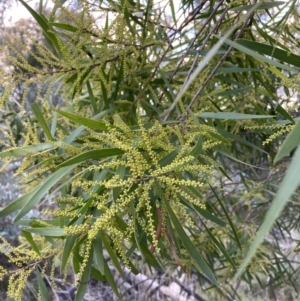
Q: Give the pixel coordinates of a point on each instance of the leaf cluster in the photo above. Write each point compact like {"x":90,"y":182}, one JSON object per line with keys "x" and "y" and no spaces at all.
{"x":157,"y":102}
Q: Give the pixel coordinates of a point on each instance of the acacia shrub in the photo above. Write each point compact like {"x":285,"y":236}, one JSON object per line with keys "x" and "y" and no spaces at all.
{"x":130,"y":157}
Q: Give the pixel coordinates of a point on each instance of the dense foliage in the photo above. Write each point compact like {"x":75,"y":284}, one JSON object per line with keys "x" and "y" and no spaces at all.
{"x":132,"y":119}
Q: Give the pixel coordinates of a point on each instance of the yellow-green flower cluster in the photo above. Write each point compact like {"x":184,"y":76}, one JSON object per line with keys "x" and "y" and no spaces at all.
{"x":277,"y":134}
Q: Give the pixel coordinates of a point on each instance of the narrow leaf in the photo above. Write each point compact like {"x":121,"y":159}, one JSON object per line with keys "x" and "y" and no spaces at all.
{"x":92,"y":155}
{"x":53,"y":232}
{"x":219,"y":246}
{"x":110,"y":279}
{"x":29,"y":238}
{"x":88,"y":122}
{"x":234,"y":116}
{"x":112,"y":254}
{"x":168,"y":159}
{"x":18,"y":203}
{"x":291,"y":142}
{"x":98,"y":254}
{"x":196,"y":151}
{"x":289,"y":184}
{"x":68,"y":246}
{"x":51,"y":37}
{"x":199,"y":68}
{"x":40,"y":118}
{"x":23,"y":151}
{"x":284,"y":113}
{"x":42,"y":286}
{"x":198,"y":260}
{"x":277,"y":53}
{"x":258,"y":56}
{"x":229,"y":219}
{"x":262,"y":5}
{"x":85,"y":278}
{"x":64,"y":26}
{"x":92,"y":97}
{"x":43,"y":189}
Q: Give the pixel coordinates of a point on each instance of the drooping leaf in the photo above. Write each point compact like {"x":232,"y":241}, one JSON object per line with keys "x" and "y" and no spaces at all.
{"x":277,"y":53}
{"x":290,"y":182}
{"x":42,"y":286}
{"x":31,"y":241}
{"x":25,"y":151}
{"x":92,"y":155}
{"x":98,"y":254}
{"x":262,"y":5}
{"x":88,"y":122}
{"x":18,"y":203}
{"x":53,"y":232}
{"x":85,"y":278}
{"x":68,"y":246}
{"x":43,"y":189}
{"x":258,"y":56}
{"x":234,"y":116}
{"x":111,"y":253}
{"x":197,"y":258}
{"x":40,"y":118}
{"x":291,"y":142}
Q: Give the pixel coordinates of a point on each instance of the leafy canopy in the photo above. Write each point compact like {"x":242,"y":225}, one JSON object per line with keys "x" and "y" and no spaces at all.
{"x":155,"y":100}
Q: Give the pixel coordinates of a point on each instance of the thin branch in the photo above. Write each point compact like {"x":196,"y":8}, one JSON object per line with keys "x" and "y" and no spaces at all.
{"x":249,"y":19}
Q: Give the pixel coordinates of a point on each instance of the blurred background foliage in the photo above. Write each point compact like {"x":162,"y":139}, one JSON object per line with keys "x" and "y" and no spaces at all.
{"x":133,"y":58}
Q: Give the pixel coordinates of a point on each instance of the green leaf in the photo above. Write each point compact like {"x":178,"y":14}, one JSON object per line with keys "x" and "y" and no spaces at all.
{"x":234,"y":116}
{"x":121,"y":173}
{"x":239,"y":139}
{"x":76,"y":133}
{"x":197,"y":150}
{"x":85,"y":278}
{"x":92,"y":155}
{"x":279,"y":54}
{"x":29,"y":238}
{"x":197,"y":258}
{"x":284,"y":113}
{"x":220,"y":246}
{"x":236,"y":70}
{"x":43,"y":189}
{"x":207,"y":215}
{"x":92,"y":97}
{"x":98,"y":254}
{"x":229,"y":220}
{"x":51,"y":37}
{"x":291,"y":142}
{"x":40,"y":118}
{"x":258,"y":56}
{"x":204,"y":213}
{"x":68,"y":246}
{"x":262,"y":5}
{"x":110,"y":279}
{"x":97,"y":275}
{"x":207,"y":58}
{"x":53,"y":232}
{"x":168,"y":159}
{"x":27,"y":150}
{"x":18,"y":203}
{"x":88,"y":122}
{"x":233,"y":91}
{"x":142,"y":248}
{"x":289,"y":184}
{"x":42,"y":286}
{"x":76,"y":260}
{"x":53,"y":124}
{"x":111,"y":253}
{"x":64,"y":26}
{"x":239,"y":161}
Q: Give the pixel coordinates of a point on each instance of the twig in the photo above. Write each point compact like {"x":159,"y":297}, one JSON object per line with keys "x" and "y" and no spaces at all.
{"x":220,"y":62}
